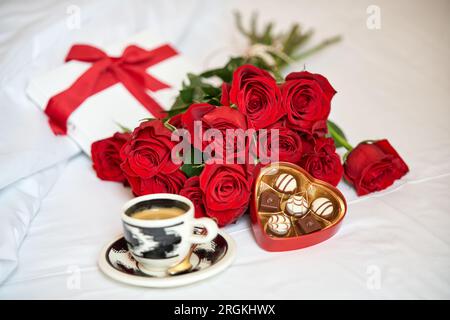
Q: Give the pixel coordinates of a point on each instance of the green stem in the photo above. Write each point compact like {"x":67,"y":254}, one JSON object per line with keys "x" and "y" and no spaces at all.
{"x":336,"y":136}
{"x":169,"y":126}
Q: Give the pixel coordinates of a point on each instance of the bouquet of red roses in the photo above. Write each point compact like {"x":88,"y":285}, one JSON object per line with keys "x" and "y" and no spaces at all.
{"x":269,"y":119}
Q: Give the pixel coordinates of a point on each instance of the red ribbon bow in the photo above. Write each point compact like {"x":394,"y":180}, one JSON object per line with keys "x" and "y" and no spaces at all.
{"x":129,"y":69}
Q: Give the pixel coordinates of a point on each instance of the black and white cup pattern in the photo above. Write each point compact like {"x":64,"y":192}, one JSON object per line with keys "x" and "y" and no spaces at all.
{"x":159,"y":244}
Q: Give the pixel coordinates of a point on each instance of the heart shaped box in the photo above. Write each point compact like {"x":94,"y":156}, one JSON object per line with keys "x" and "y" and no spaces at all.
{"x":312,"y":188}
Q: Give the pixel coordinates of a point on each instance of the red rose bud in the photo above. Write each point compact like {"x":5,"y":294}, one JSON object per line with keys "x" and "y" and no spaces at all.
{"x":256,"y":94}
{"x":192,"y":191}
{"x":148,"y":152}
{"x":226,"y":192}
{"x":322,"y":162}
{"x":106,"y":157}
{"x":374,"y":166}
{"x":306,"y":99}
{"x":160,"y":183}
{"x":289,"y":144}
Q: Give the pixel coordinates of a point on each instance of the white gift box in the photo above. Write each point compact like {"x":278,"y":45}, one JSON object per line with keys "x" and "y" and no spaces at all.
{"x":102,"y":114}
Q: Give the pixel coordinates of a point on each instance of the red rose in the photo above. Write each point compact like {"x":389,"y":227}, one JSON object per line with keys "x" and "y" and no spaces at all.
{"x":319,"y":129}
{"x":160,"y":183}
{"x":226,"y":190}
{"x":176,"y":121}
{"x":306,"y":99}
{"x":308,"y":143}
{"x":289,"y":143}
{"x":106,"y":157}
{"x":226,"y":118}
{"x":148,"y":151}
{"x":322,"y":162}
{"x":374,"y":166}
{"x":219,"y":118}
{"x":195,"y":112}
{"x":256,"y":94}
{"x":192,"y":191}
{"x":223,"y":118}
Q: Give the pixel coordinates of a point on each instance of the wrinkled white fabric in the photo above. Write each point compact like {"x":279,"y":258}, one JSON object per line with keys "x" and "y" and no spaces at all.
{"x":20,"y":202}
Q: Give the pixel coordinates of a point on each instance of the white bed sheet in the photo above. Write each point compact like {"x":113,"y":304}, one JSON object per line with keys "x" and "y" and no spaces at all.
{"x":405,"y":243}
{"x":392,"y":83}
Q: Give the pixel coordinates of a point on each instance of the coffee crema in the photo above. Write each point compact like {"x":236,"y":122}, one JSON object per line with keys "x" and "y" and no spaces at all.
{"x":158,"y":213}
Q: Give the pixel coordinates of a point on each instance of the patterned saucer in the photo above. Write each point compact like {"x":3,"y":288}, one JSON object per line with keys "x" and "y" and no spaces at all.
{"x":207,"y":260}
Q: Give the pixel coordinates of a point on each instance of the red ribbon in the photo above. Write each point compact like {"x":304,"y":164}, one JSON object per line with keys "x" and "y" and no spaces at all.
{"x":129,"y":69}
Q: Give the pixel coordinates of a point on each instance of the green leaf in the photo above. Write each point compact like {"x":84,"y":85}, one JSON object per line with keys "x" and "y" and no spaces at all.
{"x":212,"y":91}
{"x":223,"y":73}
{"x":215,"y":102}
{"x":192,"y":170}
{"x":234,"y":63}
{"x":194,"y":80}
{"x":211,"y":73}
{"x":178,"y":104}
{"x":226,"y":72}
{"x":187,"y":94}
{"x":334,"y":127}
{"x":175,"y":111}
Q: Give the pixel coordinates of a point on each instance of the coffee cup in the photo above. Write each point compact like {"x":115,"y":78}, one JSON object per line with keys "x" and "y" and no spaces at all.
{"x":159,"y":230}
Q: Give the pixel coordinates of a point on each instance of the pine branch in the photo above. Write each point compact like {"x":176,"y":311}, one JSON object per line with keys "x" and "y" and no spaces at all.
{"x":282,"y":47}
{"x":317,"y":48}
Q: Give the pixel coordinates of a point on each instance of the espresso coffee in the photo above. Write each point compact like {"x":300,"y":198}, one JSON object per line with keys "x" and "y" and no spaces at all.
{"x":159,"y":230}
{"x":158,"y":213}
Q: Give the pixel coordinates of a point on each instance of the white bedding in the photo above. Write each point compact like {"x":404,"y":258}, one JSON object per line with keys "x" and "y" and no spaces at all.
{"x":391,"y":82}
